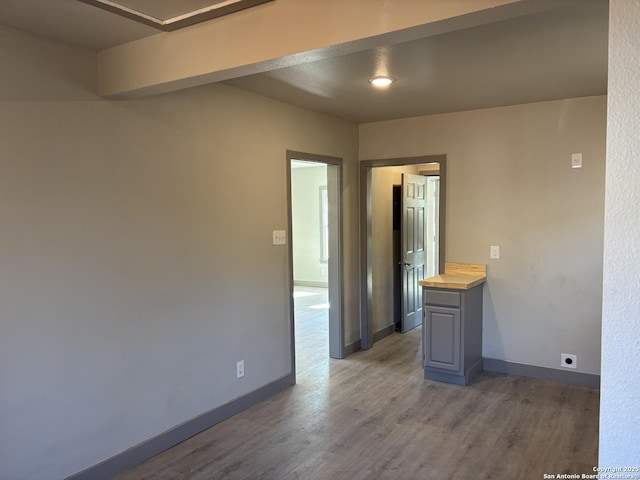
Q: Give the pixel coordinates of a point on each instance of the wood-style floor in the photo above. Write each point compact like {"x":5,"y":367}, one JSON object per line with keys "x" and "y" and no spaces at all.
{"x":373,"y":416}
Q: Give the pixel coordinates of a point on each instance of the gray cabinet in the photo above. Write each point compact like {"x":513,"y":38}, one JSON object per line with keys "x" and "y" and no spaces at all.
{"x":452,"y":334}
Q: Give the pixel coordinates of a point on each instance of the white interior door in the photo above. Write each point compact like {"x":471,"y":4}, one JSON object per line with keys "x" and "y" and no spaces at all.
{"x":414,"y":209}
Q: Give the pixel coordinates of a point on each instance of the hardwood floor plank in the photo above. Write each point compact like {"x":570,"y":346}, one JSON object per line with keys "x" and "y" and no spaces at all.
{"x":373,"y":416}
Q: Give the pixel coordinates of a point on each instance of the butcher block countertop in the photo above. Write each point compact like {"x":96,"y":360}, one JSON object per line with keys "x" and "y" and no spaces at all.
{"x":461,"y":276}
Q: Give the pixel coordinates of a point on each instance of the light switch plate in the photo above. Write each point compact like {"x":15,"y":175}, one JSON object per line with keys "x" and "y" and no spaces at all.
{"x":495,"y":251}
{"x":279,"y":237}
{"x":576,"y":160}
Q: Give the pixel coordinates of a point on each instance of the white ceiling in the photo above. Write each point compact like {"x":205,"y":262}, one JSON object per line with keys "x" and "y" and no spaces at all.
{"x":169,"y":15}
{"x":557,"y":54}
{"x":547,"y":56}
{"x":71,"y":22}
{"x":165,"y":9}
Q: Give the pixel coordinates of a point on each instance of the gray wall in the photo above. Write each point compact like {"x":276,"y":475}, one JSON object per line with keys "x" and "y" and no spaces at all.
{"x":117,"y":230}
{"x":509,"y":183}
{"x":305,"y":198}
{"x":619,"y":416}
{"x":136,"y":256}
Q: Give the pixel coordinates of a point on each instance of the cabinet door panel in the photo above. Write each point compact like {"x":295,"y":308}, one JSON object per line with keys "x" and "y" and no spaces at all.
{"x":442,"y":338}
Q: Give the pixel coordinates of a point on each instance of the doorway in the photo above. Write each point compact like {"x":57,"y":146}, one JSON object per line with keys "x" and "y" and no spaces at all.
{"x":315,"y":254}
{"x":379,"y":304}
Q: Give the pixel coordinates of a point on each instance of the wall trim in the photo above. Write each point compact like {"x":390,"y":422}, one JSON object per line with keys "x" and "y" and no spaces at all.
{"x":351,"y":348}
{"x":544,"y":373}
{"x":385,"y":332}
{"x":309,"y":283}
{"x":149,"y":448}
{"x":364,"y":214}
{"x":335,"y":273}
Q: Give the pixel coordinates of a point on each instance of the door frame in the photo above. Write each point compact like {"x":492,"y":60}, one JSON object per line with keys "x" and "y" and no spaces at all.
{"x":366,"y":287}
{"x":334,"y":264}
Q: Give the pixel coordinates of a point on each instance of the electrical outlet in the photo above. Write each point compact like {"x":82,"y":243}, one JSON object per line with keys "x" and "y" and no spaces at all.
{"x":240,"y":369}
{"x":495,"y":251}
{"x":568,"y":360}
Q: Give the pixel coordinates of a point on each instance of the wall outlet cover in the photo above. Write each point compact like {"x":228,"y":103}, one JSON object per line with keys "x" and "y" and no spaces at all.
{"x":568,"y":360}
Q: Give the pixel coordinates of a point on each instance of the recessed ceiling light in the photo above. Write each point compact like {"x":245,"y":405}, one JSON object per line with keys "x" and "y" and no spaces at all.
{"x":381,"y":81}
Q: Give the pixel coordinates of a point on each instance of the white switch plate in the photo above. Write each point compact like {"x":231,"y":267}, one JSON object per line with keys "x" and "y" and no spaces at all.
{"x":495,"y":251}
{"x":576,"y":160}
{"x":279,"y":237}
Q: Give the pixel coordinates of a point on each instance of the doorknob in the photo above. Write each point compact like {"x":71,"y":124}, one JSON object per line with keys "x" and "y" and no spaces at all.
{"x":406,"y":264}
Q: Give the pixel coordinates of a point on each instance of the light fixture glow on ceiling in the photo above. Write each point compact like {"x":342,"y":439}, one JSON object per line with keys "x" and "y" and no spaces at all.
{"x":381,"y":81}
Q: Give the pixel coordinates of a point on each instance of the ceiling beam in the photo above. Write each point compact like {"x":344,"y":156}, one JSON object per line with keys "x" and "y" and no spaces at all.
{"x":284,"y":33}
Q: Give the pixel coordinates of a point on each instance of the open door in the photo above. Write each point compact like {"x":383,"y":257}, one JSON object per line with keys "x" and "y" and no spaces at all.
{"x":366,"y":235}
{"x":328,"y":247}
{"x":412,"y":240}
